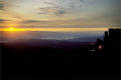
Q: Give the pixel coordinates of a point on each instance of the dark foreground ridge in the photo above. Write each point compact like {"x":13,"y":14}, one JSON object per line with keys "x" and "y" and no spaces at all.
{"x":39,"y":59}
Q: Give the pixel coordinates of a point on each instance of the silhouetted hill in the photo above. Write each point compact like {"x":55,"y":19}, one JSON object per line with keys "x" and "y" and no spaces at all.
{"x":58,"y":44}
{"x":86,"y":39}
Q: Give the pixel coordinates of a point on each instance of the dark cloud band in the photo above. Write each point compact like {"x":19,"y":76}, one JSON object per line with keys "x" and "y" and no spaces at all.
{"x":1,"y":5}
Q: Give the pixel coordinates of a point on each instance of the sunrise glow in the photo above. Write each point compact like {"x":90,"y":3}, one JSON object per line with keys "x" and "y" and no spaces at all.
{"x":11,"y":29}
{"x":58,"y":13}
{"x":54,"y":29}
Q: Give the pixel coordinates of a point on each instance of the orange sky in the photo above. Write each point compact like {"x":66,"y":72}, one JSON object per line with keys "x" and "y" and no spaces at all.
{"x":54,"y":29}
{"x":65,"y":15}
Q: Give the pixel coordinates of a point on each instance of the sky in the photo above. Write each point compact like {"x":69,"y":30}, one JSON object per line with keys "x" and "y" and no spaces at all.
{"x":59,"y":13}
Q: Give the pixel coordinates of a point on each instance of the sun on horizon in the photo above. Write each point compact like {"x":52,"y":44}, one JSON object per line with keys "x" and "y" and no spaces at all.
{"x":11,"y":29}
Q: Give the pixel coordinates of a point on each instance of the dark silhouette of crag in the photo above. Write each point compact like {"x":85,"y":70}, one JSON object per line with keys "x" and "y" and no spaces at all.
{"x":110,"y":46}
{"x":112,"y":41}
{"x":38,"y":59}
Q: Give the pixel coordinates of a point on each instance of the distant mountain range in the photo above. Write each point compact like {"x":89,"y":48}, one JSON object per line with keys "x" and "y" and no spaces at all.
{"x":73,"y":37}
{"x":86,"y":39}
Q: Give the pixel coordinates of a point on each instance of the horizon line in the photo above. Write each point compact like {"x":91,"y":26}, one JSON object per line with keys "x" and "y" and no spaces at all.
{"x":12,"y":29}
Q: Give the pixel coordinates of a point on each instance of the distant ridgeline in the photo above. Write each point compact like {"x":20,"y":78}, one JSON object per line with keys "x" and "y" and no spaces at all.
{"x":110,"y":45}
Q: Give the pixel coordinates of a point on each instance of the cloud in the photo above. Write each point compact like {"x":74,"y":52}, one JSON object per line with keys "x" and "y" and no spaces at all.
{"x":61,"y":7}
{"x":1,"y":5}
{"x":31,"y":21}
{"x":60,"y":12}
{"x":70,"y":3}
{"x":34,"y":21}
{"x":3,"y":20}
{"x":57,"y":11}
